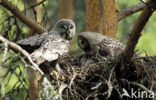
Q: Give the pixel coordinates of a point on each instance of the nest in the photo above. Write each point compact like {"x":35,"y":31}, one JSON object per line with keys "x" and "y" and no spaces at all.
{"x":98,"y":78}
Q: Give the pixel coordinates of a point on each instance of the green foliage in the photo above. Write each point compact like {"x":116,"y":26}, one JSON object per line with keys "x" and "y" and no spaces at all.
{"x":13,"y":29}
{"x":147,"y":41}
{"x":13,"y":77}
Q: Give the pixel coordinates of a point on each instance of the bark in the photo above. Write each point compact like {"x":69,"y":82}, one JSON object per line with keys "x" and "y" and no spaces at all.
{"x":29,"y":22}
{"x":111,"y":11}
{"x":34,"y":76}
{"x":34,"y":86}
{"x":131,"y":10}
{"x":102,"y":17}
{"x":66,"y":9}
{"x":93,"y":15}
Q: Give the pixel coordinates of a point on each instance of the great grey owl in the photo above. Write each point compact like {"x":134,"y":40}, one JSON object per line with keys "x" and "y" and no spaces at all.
{"x":95,"y":43}
{"x":49,"y":45}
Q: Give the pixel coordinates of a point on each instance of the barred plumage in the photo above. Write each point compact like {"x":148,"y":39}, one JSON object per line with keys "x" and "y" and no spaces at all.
{"x":49,"y":45}
{"x":94,"y":43}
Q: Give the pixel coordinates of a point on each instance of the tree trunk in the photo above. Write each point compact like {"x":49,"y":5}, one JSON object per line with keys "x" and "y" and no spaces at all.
{"x":34,"y":76}
{"x":66,"y":9}
{"x":34,"y":87}
{"x":102,"y":17}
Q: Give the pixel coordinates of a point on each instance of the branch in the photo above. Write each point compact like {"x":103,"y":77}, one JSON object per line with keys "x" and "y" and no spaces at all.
{"x":45,"y":83}
{"x":29,"y":22}
{"x":138,"y":27}
{"x":131,"y":10}
{"x":16,"y":48}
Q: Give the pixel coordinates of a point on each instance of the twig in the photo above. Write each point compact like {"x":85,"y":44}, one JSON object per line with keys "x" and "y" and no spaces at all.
{"x":29,"y":22}
{"x":27,"y":55}
{"x":110,"y":87}
{"x":141,"y":86}
{"x":138,"y":27}
{"x":131,"y":10}
{"x":138,"y":85}
{"x":21,"y":51}
{"x":143,"y":57}
{"x":72,"y":80}
{"x":5,"y":51}
{"x":61,"y":89}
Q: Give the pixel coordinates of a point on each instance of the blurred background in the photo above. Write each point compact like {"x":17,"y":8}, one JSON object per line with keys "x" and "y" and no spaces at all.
{"x":46,"y":14}
{"x":52,"y":10}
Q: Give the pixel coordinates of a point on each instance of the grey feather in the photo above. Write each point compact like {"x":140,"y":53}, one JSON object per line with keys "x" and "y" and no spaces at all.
{"x":48,"y":46}
{"x":50,"y":50}
{"x":98,"y":43}
{"x":34,"y":41}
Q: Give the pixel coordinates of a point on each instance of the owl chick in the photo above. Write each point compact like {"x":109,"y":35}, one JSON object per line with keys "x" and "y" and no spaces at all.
{"x":94,"y":43}
{"x":49,"y":45}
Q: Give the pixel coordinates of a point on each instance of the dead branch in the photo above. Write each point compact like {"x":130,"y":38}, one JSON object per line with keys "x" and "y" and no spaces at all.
{"x":16,"y":48}
{"x":34,"y":66}
{"x":29,"y":22}
{"x":131,"y":10}
{"x":138,"y":27}
{"x":100,"y":80}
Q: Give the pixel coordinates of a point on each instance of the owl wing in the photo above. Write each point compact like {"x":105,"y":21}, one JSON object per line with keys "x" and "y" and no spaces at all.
{"x":50,"y":50}
{"x":32,"y":43}
{"x":111,"y":46}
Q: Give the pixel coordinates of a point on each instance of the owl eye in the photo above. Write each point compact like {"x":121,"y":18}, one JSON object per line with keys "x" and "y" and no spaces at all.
{"x":63,"y":27}
{"x":82,"y":43}
{"x":71,"y":27}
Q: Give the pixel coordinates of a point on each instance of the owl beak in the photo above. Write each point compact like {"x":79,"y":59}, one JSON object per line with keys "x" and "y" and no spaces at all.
{"x":69,"y":37}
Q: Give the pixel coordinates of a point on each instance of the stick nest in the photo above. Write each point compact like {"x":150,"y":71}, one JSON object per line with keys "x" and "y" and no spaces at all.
{"x":95,"y":77}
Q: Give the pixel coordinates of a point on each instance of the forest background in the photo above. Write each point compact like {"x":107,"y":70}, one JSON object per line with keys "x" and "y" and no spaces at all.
{"x":50,"y":11}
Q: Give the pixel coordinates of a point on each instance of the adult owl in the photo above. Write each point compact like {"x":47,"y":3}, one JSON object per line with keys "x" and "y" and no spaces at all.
{"x":95,"y":43}
{"x":49,"y":45}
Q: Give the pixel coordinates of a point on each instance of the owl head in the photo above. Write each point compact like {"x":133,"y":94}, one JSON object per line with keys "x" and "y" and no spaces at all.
{"x":89,"y":40}
{"x":65,"y":28}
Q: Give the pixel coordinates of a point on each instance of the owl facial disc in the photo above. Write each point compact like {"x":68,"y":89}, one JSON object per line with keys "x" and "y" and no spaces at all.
{"x":66,"y":28}
{"x":67,"y":33}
